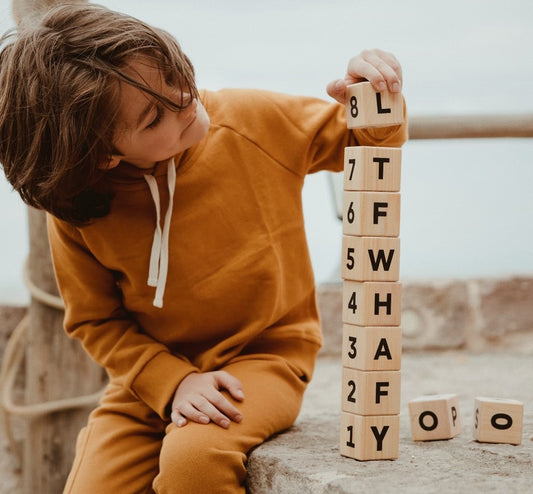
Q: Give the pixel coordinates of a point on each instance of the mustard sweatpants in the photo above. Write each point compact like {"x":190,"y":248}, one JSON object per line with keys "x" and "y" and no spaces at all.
{"x":127,"y":449}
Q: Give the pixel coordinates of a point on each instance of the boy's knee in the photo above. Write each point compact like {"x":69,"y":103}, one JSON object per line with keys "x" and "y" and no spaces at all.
{"x":192,"y":461}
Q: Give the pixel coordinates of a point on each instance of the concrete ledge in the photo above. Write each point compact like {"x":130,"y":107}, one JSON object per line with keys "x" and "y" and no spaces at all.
{"x":470,"y":314}
{"x":306,"y":457}
{"x":466,"y":319}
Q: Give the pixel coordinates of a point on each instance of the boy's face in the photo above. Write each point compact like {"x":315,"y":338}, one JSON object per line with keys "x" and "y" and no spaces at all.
{"x":147,"y":131}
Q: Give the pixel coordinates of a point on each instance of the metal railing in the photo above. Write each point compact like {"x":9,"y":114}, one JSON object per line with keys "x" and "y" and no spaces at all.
{"x":453,"y":127}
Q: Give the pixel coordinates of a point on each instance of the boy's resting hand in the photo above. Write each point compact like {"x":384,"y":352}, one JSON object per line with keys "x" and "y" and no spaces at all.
{"x":198,"y":398}
{"x":380,"y":68}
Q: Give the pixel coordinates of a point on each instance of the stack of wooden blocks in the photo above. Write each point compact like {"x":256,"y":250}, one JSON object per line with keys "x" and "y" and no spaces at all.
{"x":371,"y":314}
{"x":371,"y":291}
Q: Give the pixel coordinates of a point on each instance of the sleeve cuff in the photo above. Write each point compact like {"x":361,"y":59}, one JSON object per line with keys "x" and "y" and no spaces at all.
{"x":157,"y":382}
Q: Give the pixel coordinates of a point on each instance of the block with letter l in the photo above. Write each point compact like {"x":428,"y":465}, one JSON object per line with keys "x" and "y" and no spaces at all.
{"x":366,"y":107}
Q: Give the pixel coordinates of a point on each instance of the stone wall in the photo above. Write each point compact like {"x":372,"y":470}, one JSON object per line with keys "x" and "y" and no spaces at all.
{"x":477,"y":315}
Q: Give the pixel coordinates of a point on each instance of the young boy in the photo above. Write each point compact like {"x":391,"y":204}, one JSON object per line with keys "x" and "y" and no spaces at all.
{"x":178,"y":240}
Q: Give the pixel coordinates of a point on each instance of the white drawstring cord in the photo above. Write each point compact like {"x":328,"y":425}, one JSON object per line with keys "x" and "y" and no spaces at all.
{"x":157,"y":275}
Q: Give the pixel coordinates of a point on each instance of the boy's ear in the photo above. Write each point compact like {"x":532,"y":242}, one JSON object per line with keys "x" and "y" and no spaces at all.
{"x":113,"y":162}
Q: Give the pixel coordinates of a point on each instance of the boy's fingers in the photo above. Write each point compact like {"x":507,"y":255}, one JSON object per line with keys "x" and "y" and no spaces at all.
{"x":177,"y":418}
{"x":337,"y":90}
{"x":230,"y":383}
{"x":221,"y":404}
{"x":383,"y":68}
{"x":380,"y":68}
{"x":214,"y":413}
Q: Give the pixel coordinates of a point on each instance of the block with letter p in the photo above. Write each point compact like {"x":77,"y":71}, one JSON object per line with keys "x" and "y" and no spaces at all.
{"x":366,"y":107}
{"x":435,"y":417}
{"x":498,"y":420}
{"x":373,"y":214}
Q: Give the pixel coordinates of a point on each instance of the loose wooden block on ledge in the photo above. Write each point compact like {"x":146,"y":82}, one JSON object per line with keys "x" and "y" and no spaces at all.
{"x":435,"y":417}
{"x":371,"y":392}
{"x":372,"y":214}
{"x":369,"y":438}
{"x":498,"y":420}
{"x":371,"y":348}
{"x":366,"y":107}
{"x":372,"y":168}
{"x":370,"y":258}
{"x":372,"y":303}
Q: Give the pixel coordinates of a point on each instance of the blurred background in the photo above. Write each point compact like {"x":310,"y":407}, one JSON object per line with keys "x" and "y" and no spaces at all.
{"x":466,"y":204}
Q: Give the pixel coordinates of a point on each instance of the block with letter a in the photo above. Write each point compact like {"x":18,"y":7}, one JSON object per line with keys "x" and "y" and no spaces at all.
{"x":371,"y":348}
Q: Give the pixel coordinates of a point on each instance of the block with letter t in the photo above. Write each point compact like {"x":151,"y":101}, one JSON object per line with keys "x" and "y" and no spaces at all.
{"x":366,"y":107}
{"x":372,"y":168}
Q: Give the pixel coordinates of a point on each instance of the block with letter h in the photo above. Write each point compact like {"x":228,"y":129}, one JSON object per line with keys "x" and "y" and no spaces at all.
{"x":371,"y":345}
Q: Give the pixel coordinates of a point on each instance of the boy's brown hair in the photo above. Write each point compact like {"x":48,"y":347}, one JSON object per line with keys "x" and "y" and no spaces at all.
{"x":60,"y":83}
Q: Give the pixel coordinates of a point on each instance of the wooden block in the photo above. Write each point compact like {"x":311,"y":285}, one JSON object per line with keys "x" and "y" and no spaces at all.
{"x":372,"y":303}
{"x":372,"y":214}
{"x":369,"y":438}
{"x":370,"y":392}
{"x":371,"y":348}
{"x":366,"y":107}
{"x":435,"y":417}
{"x":368,"y":168}
{"x":370,"y":258}
{"x":498,"y":420}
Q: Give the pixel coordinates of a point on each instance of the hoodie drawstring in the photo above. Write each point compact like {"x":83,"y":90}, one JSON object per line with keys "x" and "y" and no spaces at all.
{"x":157,"y":274}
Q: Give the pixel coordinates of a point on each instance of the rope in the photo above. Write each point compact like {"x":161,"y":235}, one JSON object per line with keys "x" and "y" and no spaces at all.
{"x":13,"y":356}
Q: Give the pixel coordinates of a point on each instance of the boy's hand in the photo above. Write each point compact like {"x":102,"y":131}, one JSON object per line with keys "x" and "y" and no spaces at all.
{"x":378,"y":67}
{"x":198,"y":398}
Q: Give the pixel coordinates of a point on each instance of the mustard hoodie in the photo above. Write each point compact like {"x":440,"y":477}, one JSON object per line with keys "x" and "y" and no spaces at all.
{"x":231,"y":265}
